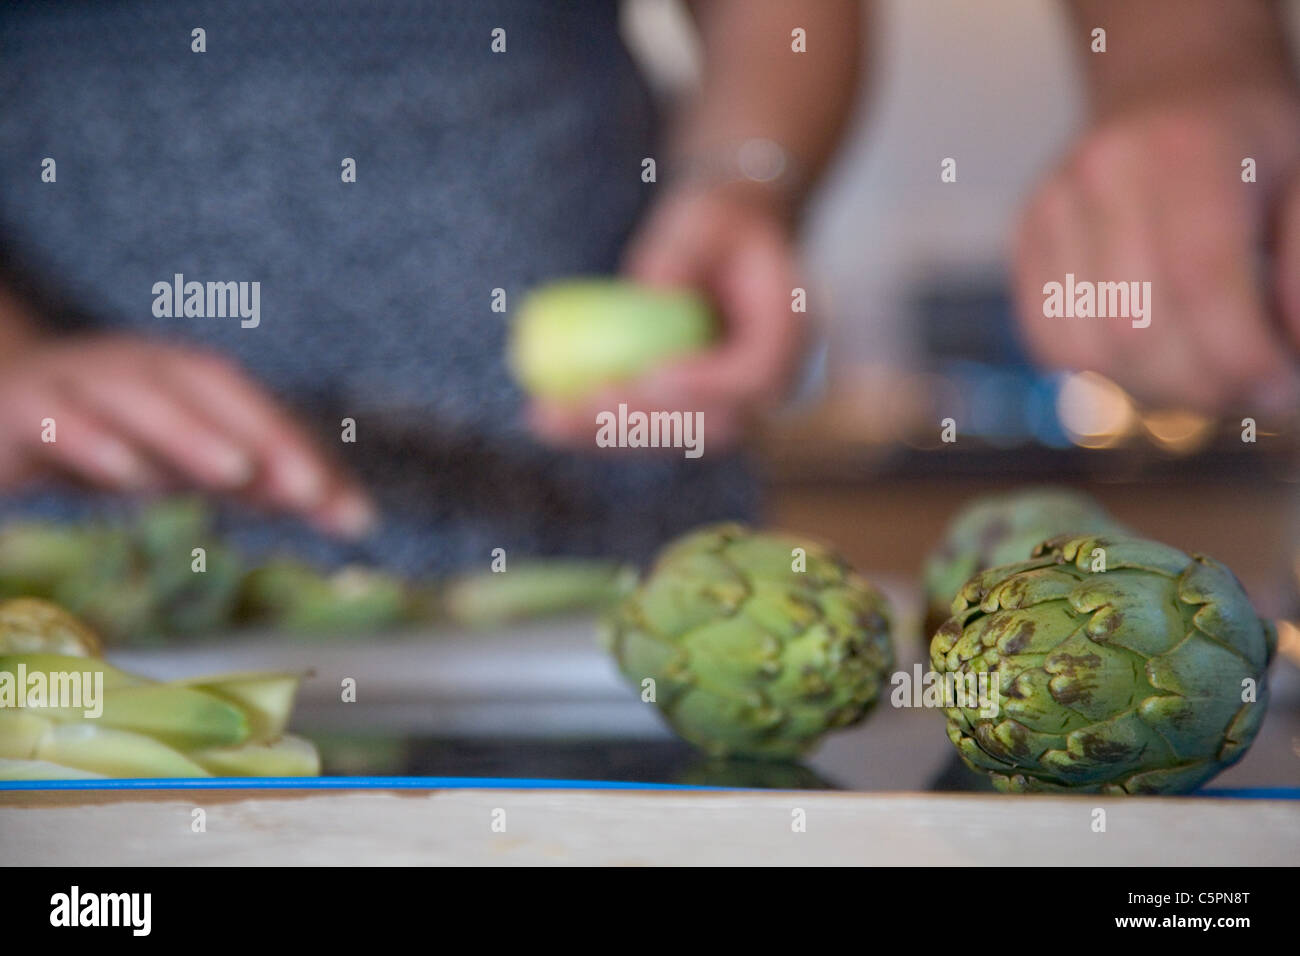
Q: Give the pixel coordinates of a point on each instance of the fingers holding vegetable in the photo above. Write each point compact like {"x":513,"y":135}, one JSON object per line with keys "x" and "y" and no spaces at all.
{"x":738,"y":252}
{"x":707,"y":326}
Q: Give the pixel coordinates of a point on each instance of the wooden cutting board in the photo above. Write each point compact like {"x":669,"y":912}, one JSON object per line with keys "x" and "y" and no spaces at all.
{"x":637,"y":828}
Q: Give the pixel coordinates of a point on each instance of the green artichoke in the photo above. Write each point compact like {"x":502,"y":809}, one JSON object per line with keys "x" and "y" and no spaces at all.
{"x":187,"y":602}
{"x":757,"y":643}
{"x":1002,"y":529}
{"x":133,"y":581}
{"x":1122,"y":666}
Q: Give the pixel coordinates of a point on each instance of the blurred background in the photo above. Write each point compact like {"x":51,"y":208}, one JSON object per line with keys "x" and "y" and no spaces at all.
{"x":908,"y":275}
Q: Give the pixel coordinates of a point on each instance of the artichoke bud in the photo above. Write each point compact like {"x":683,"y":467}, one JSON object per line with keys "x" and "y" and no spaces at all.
{"x":996,"y":531}
{"x":1123,"y":681}
{"x":775,"y":656}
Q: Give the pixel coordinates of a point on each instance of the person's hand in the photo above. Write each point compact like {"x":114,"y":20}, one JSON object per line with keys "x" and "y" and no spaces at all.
{"x":134,"y":415}
{"x":1155,"y":193}
{"x":733,"y":246}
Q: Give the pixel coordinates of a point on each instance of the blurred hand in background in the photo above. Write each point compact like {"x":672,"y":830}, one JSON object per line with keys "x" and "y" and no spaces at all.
{"x":737,"y":250}
{"x":728,"y":236}
{"x":134,"y":415}
{"x":1153,"y":191}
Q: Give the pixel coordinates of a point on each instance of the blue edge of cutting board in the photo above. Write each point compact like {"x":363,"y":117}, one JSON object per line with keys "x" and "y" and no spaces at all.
{"x":453,"y":783}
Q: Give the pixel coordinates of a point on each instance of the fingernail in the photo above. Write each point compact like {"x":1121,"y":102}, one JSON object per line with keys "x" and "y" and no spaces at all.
{"x":305,"y":484}
{"x":353,"y":516}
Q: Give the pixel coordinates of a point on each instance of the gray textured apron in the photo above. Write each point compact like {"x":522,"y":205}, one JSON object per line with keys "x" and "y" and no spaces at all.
{"x":475,"y":170}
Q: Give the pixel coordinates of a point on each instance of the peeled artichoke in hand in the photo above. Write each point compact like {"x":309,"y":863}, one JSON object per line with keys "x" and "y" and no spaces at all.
{"x":757,"y":643}
{"x":1122,"y":666}
{"x":576,"y":336}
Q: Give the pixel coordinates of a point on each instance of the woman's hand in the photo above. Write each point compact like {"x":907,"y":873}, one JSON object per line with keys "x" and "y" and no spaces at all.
{"x":730,"y":243}
{"x":1155,"y":191}
{"x":133,"y":415}
{"x":1155,"y":194}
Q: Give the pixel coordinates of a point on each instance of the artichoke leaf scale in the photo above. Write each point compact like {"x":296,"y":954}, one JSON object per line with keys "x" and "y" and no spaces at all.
{"x":1111,"y":748}
{"x":974,"y":754}
{"x":1034,"y":706}
{"x":1241,"y":731}
{"x":769,"y":559}
{"x":1188,"y":724}
{"x":698,"y":590}
{"x":1014,"y":744}
{"x":1036,"y":586}
{"x":779,"y":609}
{"x":731,"y":651}
{"x":1224,"y":623}
{"x":647,"y":656}
{"x":809,"y":667}
{"x":1199,"y":666}
{"x":1182,"y":778}
{"x":1125,"y":553}
{"x":1095,"y":680}
{"x":1032,"y":630}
